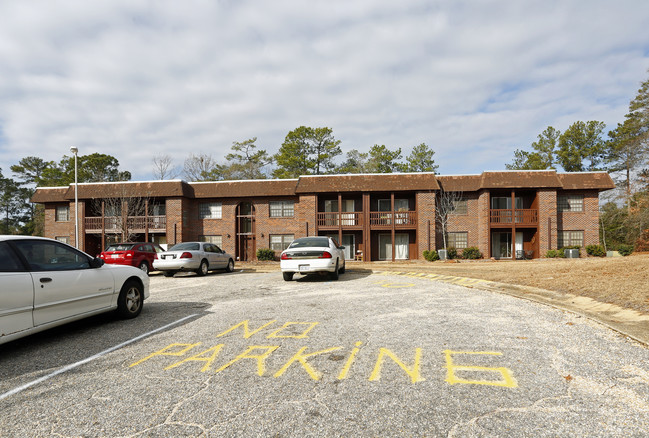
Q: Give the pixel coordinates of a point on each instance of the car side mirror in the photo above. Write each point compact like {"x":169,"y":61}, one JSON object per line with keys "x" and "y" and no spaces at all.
{"x":222,"y":251}
{"x":96,"y":262}
{"x":341,"y":247}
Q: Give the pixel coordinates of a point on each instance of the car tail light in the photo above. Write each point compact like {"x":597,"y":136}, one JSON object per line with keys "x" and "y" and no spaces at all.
{"x":186,"y":255}
{"x":285,"y":256}
{"x":101,"y":256}
{"x":325,"y":255}
{"x":128,"y":254}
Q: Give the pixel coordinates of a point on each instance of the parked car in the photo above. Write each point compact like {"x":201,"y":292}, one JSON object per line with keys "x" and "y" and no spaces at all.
{"x":308,"y":255}
{"x":138,"y":254}
{"x":46,"y":283}
{"x":199,"y":257}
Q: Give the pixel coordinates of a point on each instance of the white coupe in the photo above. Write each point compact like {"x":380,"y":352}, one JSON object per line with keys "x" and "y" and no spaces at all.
{"x":45,"y":283}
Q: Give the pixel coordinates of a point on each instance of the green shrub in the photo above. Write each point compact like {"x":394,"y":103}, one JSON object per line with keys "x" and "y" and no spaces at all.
{"x":471,"y":253}
{"x":451,"y":253}
{"x":624,"y":250}
{"x":595,"y":250}
{"x":431,"y":256}
{"x":555,"y":253}
{"x":265,"y":254}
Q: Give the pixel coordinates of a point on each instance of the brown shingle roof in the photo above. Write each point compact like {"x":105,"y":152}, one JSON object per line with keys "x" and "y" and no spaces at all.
{"x":367,"y":183}
{"x":50,"y":194}
{"x":241,"y":189}
{"x":520,"y":179}
{"x":587,"y":180}
{"x":460,"y":183}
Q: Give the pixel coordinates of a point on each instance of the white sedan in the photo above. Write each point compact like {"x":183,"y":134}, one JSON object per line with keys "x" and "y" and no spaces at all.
{"x":199,"y":257}
{"x":308,"y":255}
{"x":45,"y":283}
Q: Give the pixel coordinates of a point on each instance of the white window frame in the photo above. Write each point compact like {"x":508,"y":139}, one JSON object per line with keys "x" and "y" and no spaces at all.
{"x":216,"y":239}
{"x":210,"y":210}
{"x":281,"y":208}
{"x":58,"y":215}
{"x":570,"y":238}
{"x":284,"y":241}
{"x":63,"y":239}
{"x":454,"y":242}
{"x":570,"y":203}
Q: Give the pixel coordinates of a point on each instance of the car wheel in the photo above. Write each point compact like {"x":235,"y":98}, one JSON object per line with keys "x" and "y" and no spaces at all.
{"x":130,"y":300}
{"x":288,"y":276}
{"x":334,"y":274}
{"x":169,"y":273}
{"x":144,"y":266}
{"x":342,"y":270}
{"x":203,"y":268}
{"x":230,"y":267}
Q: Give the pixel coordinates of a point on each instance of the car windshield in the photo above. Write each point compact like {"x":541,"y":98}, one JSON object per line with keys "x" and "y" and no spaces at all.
{"x":186,"y":246}
{"x":120,"y":247}
{"x":318,"y":242}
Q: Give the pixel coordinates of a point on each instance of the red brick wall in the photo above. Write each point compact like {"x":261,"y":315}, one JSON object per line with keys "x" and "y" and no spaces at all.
{"x":484,"y":229}
{"x":425,"y":206}
{"x":468,"y":223}
{"x":586,"y":221}
{"x":547,"y":220}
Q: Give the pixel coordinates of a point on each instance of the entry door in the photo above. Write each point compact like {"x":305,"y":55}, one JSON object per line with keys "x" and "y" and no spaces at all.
{"x":519,"y":245}
{"x":401,"y":246}
{"x":245,"y":231}
{"x":501,"y":245}
{"x":348,"y":243}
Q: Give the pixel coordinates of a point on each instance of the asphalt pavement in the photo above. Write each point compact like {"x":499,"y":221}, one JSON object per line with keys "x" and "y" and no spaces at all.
{"x":373,"y":354}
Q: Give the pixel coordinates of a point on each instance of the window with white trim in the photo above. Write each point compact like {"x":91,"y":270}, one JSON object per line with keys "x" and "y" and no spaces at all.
{"x":279,"y":242}
{"x":282,"y":208}
{"x":572,"y":203}
{"x":62,"y":213}
{"x":64,"y":239}
{"x":570,"y":238}
{"x":210,"y":210}
{"x":460,"y":206}
{"x":215,"y":239}
{"x":457,"y":240}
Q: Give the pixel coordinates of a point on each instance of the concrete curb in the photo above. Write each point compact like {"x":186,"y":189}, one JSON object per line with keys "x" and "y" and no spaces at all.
{"x":627,"y":322}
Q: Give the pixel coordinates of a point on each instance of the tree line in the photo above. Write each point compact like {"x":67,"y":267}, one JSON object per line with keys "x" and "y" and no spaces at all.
{"x":623,"y":152}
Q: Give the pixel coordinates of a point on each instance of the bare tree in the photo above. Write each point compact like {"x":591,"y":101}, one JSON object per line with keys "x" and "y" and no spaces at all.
{"x":124,"y":213}
{"x":163,"y":167}
{"x":202,"y":167}
{"x":446,"y":204}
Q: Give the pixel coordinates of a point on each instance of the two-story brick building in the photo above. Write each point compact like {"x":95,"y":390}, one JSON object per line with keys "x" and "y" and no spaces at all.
{"x":509,"y":214}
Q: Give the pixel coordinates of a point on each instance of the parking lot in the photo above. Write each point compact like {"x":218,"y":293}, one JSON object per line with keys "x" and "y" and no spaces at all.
{"x":378,"y":354}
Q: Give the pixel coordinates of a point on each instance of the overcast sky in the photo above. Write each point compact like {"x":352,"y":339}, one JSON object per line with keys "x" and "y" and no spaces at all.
{"x":474,"y":80}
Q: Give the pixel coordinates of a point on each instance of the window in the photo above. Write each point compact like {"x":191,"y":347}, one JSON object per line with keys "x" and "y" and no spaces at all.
{"x":460,"y":206}
{"x":281,"y":208}
{"x":62,"y":213}
{"x":458,"y":240}
{"x":51,"y":256}
{"x":8,"y":260}
{"x":209,"y":210}
{"x":216,"y":240}
{"x":64,"y":239}
{"x":570,"y":238}
{"x":572,"y":203}
{"x":279,"y":242}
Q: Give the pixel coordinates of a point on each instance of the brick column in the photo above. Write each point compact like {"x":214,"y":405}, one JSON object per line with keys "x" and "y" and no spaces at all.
{"x":425,"y":206}
{"x":547,"y":233}
{"x":484,"y":223}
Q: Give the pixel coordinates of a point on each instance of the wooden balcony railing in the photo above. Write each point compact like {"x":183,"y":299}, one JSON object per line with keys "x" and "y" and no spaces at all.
{"x":400,"y":218}
{"x":334,"y":219}
{"x":521,"y":217}
{"x":114,"y":224}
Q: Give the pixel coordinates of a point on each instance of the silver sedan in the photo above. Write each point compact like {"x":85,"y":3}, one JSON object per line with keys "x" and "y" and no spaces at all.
{"x":199,"y":257}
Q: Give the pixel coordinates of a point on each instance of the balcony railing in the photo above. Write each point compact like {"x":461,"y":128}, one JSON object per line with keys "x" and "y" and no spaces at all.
{"x":335,"y":219}
{"x":520,"y":217}
{"x":114,"y":224}
{"x":400,"y":218}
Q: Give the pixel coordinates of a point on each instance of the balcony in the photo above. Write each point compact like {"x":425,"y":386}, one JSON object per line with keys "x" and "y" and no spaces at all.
{"x":519,"y":217}
{"x":385,"y":219}
{"x":135,"y":224}
{"x":335,"y":220}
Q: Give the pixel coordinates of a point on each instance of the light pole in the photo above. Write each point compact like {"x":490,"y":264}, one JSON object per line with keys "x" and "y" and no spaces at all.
{"x":75,"y":150}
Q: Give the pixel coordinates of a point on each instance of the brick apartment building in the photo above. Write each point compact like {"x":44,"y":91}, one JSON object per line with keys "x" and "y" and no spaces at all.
{"x":511,"y":214}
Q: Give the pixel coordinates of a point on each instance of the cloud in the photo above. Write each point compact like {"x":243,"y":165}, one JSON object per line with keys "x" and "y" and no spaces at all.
{"x":474,"y":80}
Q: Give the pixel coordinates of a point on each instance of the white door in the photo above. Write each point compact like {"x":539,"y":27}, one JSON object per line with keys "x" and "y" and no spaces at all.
{"x":519,"y":245}
{"x":17,"y":295}
{"x":401,"y":246}
{"x":64,"y":283}
{"x":348,"y":243}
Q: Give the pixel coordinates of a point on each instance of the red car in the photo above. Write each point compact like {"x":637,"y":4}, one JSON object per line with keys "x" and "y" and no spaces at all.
{"x":138,"y":254}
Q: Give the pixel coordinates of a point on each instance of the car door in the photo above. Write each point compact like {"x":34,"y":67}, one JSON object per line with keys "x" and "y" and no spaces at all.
{"x":16,"y":293}
{"x":64,"y":283}
{"x":222,"y":258}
